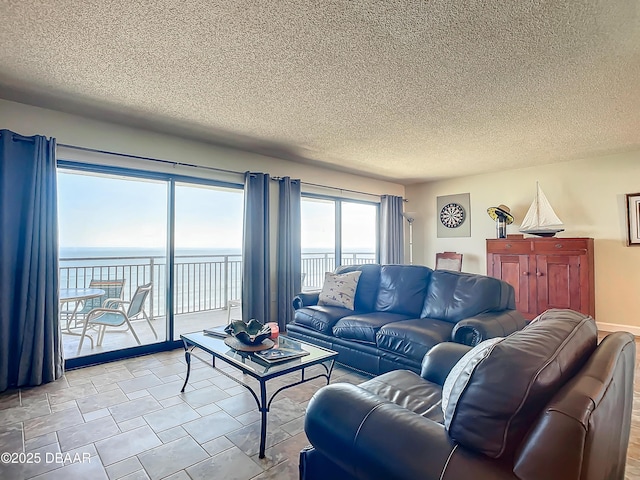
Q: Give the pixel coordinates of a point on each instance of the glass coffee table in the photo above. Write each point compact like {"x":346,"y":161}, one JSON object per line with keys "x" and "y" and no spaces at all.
{"x":249,"y":364}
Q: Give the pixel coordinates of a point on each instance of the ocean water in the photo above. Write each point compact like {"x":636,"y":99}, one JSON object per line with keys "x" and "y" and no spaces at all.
{"x":120,"y":252}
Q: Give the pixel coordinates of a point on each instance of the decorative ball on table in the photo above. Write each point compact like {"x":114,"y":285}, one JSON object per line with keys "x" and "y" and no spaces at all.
{"x":252,"y":336}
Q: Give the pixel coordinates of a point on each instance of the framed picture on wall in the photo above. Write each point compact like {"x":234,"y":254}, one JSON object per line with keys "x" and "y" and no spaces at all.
{"x":633,"y":219}
{"x":453,"y":219}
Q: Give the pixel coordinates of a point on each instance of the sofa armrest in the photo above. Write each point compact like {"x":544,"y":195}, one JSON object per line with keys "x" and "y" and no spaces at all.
{"x":306,"y":299}
{"x":474,"y":330}
{"x":345,"y":423}
{"x":439,"y":360}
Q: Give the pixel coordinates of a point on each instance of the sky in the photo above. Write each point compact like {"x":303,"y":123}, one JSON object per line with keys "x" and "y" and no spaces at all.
{"x":109,"y":211}
{"x":318,"y":225}
{"x":115,"y":211}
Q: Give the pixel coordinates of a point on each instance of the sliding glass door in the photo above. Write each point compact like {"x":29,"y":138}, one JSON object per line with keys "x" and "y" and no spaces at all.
{"x":130,"y":239}
{"x":113,"y":249}
{"x":208,"y":256}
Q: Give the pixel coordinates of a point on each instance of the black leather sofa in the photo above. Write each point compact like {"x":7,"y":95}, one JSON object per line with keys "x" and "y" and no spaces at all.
{"x":545,"y":403}
{"x":401,"y":311}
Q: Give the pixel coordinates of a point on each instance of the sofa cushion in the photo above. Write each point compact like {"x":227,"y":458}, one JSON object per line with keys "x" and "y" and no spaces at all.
{"x":320,"y":317}
{"x":408,"y":390}
{"x":367,"y":290}
{"x":364,"y":327}
{"x":492,"y":412}
{"x":403,"y":289}
{"x":413,"y":338}
{"x":339,"y":289}
{"x":453,"y":296}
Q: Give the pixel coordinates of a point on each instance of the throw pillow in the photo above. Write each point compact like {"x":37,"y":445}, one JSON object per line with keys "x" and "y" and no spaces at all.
{"x":460,"y":374}
{"x":339,"y":289}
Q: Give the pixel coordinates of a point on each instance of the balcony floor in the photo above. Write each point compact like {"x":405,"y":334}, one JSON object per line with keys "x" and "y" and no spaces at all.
{"x":117,"y":338}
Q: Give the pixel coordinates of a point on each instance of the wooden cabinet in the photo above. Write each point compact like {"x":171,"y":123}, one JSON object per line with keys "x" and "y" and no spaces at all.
{"x":545,"y":272}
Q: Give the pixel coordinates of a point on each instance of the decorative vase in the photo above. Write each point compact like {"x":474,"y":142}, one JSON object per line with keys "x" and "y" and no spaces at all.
{"x":501,"y":227}
{"x":275,"y":330}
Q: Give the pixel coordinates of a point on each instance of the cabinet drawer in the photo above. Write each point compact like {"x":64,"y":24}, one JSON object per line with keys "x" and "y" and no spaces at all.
{"x":508,"y":246}
{"x":557,"y":245}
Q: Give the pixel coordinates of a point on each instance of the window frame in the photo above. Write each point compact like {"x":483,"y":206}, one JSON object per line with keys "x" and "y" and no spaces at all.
{"x":338,"y":201}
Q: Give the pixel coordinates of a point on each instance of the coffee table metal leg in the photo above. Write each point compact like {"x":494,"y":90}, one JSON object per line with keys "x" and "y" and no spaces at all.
{"x":187,"y":357}
{"x":263,"y":411}
{"x":329,"y":370}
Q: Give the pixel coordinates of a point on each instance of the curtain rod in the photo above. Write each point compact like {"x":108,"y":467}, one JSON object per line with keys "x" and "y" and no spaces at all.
{"x":341,"y":189}
{"x":20,"y":138}
{"x":148,"y":159}
{"x":169,"y":162}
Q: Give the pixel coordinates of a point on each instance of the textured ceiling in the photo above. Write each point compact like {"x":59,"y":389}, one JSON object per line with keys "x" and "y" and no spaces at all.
{"x":402,"y":90}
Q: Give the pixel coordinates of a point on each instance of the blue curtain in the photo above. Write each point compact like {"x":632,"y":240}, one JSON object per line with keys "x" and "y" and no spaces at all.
{"x":391,"y":229}
{"x":30,"y":339}
{"x":289,"y":249}
{"x":256,"y":282}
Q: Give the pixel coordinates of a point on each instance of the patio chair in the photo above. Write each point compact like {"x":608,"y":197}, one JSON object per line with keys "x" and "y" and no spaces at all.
{"x":235,"y":303}
{"x":112,"y":291}
{"x":110,"y":316}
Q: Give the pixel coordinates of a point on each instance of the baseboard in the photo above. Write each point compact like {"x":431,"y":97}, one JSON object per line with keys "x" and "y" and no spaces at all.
{"x":615,"y":327}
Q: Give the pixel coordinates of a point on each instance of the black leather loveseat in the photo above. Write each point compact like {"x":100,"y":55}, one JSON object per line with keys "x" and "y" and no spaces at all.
{"x":545,"y":403}
{"x":401,"y":311}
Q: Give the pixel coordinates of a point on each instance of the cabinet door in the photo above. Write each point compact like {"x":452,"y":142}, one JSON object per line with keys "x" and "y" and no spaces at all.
{"x":515,"y":270}
{"x":558,"y":282}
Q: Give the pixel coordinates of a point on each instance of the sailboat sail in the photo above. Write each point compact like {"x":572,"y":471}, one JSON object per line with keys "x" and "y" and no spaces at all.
{"x":540,"y":218}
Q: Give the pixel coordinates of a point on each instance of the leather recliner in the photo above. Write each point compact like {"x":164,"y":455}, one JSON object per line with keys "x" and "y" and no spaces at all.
{"x":545,"y":403}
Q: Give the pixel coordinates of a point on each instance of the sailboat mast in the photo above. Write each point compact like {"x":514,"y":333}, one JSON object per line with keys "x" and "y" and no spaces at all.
{"x":537,"y":201}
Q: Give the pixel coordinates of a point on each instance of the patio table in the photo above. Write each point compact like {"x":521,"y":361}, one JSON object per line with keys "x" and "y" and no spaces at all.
{"x":77,"y":295}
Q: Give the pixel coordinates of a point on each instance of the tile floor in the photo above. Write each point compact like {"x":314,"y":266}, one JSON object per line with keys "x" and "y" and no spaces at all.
{"x":128,"y":420}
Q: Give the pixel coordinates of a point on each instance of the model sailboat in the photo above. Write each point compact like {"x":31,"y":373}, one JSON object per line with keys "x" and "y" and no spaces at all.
{"x":541,"y":220}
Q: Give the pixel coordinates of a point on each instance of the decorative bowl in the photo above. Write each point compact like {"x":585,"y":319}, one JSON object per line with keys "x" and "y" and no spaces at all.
{"x":251,"y":333}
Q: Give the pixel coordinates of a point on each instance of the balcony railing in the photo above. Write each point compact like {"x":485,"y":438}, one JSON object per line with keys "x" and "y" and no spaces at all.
{"x":314,"y":265}
{"x":203,"y":282}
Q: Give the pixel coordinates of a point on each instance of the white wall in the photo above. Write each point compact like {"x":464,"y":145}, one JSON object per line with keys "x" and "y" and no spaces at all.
{"x":589,"y":197}
{"x":79,"y":131}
